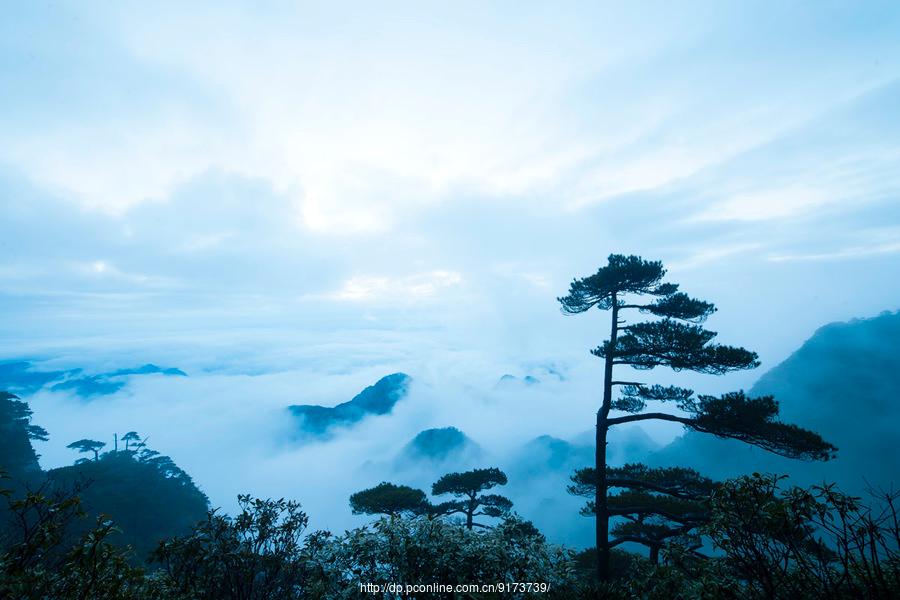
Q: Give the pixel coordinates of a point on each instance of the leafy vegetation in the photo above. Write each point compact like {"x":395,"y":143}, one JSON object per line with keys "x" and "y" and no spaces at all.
{"x":765,"y":541}
{"x":42,"y":556}
{"x":257,"y":555}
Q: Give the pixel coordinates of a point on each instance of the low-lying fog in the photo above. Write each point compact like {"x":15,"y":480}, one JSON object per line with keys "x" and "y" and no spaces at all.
{"x":227,"y":425}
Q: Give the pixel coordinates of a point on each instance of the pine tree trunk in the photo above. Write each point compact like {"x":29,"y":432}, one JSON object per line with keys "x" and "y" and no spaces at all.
{"x":602,"y":518}
{"x":600,"y":498}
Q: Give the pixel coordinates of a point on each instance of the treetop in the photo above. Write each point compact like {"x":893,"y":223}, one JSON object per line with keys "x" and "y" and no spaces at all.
{"x":86,"y":445}
{"x":469,"y":482}
{"x":389,"y":499}
{"x":622,"y":274}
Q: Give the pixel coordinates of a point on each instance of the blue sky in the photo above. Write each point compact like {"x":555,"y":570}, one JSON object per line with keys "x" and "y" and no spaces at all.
{"x":447,"y":164}
{"x":250,"y":187}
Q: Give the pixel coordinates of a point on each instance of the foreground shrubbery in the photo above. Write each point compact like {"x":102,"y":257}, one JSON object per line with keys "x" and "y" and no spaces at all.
{"x":42,"y":556}
{"x":264,"y":553}
{"x":762,"y":541}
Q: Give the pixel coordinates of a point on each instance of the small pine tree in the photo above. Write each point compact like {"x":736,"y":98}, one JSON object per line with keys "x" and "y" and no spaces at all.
{"x":467,"y":487}
{"x":389,"y":499}
{"x":655,"y":504}
{"x":129,"y":438}
{"x":85,"y":446}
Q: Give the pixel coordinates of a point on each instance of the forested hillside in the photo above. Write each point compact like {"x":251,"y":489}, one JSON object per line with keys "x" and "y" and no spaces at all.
{"x":143,"y":492}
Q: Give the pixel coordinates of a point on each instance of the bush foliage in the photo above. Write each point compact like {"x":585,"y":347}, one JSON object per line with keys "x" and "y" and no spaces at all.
{"x":763,"y":540}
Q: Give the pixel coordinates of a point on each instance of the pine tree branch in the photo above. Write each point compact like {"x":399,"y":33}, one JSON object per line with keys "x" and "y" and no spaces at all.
{"x":649,"y":510}
{"x":649,"y":416}
{"x":675,"y":492}
{"x":632,"y":538}
{"x":656,"y":540}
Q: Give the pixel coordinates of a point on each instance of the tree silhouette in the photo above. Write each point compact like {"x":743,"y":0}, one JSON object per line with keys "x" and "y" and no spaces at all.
{"x":17,"y":454}
{"x":468,"y":487}
{"x":85,"y":446}
{"x":128,"y":438}
{"x":678,"y":341}
{"x":18,"y":414}
{"x":36,"y":432}
{"x":656,"y":504}
{"x":389,"y":499}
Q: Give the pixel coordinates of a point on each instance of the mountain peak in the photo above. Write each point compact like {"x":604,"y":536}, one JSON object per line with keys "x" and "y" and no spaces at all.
{"x":377,"y":399}
{"x":440,"y":443}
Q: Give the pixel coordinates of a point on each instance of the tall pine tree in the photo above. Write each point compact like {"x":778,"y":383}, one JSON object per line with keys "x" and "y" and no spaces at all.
{"x":631,"y":285}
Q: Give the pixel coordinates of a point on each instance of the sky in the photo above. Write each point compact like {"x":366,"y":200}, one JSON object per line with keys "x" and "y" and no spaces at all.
{"x":290,"y":200}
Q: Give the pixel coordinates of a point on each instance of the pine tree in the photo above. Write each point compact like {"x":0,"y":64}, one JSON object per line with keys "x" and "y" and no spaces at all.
{"x":467,"y":487}
{"x":85,"y":446}
{"x":676,"y":340}
{"x":390,"y":499}
{"x":129,"y":438}
{"x":655,"y":504}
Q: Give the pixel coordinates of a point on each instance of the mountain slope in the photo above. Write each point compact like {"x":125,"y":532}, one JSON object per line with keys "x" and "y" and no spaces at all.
{"x":843,"y":383}
{"x":146,"y":494}
{"x":147,"y":499}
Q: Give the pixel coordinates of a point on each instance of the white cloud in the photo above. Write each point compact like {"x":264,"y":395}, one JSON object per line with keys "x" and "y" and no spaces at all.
{"x":361,"y":119}
{"x":875,"y":249}
{"x":779,"y":203}
{"x":403,"y":289}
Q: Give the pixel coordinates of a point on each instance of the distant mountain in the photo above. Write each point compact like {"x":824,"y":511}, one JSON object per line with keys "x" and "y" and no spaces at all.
{"x":110,"y":383}
{"x":440,"y":445}
{"x":550,"y":453}
{"x":540,"y":469}
{"x":22,"y":377}
{"x":628,"y":443}
{"x":148,"y":369}
{"x":378,"y":399}
{"x":545,"y":454}
{"x":843,"y":383}
{"x":511,"y":380}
